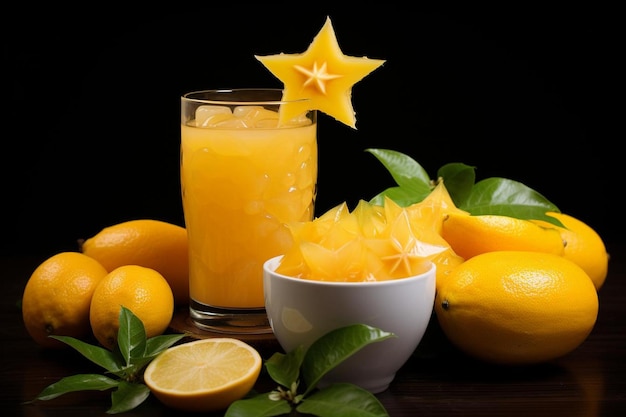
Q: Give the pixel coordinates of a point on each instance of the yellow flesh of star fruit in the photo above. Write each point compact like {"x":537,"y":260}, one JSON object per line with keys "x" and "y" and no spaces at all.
{"x":321,"y":78}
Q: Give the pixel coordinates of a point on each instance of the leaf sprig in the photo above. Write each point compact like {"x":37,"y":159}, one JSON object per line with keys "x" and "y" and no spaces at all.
{"x":495,"y":195}
{"x":126,"y":364}
{"x":304,"y":368}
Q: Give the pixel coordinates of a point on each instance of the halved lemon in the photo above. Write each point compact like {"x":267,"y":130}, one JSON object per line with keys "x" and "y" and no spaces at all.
{"x":204,"y":375}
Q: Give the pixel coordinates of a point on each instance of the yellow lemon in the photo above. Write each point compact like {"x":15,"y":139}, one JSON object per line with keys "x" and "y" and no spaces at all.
{"x":583,"y":246}
{"x":517,"y":307}
{"x":150,"y":243}
{"x":57,"y":297}
{"x":142,"y":290}
{"x":472,"y":235}
{"x":204,"y":375}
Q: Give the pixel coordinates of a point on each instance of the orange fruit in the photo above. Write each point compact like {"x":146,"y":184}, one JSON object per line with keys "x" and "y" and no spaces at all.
{"x":142,"y":290}
{"x":57,"y":297}
{"x":517,"y":307}
{"x":583,"y":246}
{"x":472,"y":235}
{"x":204,"y":375}
{"x":150,"y":243}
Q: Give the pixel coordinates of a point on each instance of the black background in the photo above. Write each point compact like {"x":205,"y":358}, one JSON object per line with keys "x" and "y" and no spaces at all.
{"x":91,"y":113}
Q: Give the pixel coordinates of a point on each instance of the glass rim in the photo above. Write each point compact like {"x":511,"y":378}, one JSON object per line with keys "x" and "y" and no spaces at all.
{"x":226,"y":101}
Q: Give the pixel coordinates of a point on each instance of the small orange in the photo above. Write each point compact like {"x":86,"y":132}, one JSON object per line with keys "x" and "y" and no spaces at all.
{"x":204,"y":375}
{"x":142,"y":290}
{"x":150,"y":243}
{"x":472,"y":235}
{"x":583,"y":246}
{"x":57,"y":297}
{"x":517,"y":307}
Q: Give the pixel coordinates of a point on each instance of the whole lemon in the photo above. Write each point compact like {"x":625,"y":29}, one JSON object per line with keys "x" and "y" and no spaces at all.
{"x":583,"y":246}
{"x":57,"y":297}
{"x":142,"y":290}
{"x":517,"y":307}
{"x":154,"y":244}
{"x":472,"y":235}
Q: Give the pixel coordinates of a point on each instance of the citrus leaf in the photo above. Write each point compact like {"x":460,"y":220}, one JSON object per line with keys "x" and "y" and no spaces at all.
{"x":401,"y":196}
{"x":285,"y":369}
{"x":505,"y":197}
{"x":131,"y":336}
{"x":154,"y":346}
{"x":133,"y":352}
{"x":339,"y":400}
{"x":81,"y":382}
{"x":127,"y":396}
{"x":334,"y":347}
{"x":158,"y":344}
{"x":96,"y":354}
{"x":458,"y":179}
{"x":259,"y":406}
{"x":405,"y":171}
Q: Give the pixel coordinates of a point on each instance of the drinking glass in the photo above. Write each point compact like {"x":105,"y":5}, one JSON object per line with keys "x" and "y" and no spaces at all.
{"x":244,"y":177}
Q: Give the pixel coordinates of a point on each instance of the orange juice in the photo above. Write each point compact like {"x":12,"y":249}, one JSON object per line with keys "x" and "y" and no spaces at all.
{"x":240,"y":186}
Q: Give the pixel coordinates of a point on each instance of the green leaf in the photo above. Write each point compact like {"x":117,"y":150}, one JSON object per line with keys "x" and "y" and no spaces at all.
{"x":131,"y":336}
{"x":504,"y":197}
{"x":323,"y":355}
{"x":405,"y":171}
{"x":81,"y":382}
{"x":127,"y":361}
{"x":458,"y":179}
{"x":154,"y":346}
{"x":127,"y":396}
{"x":401,"y":196}
{"x":285,"y":369}
{"x":158,"y":344}
{"x":259,"y":406}
{"x":339,"y":400}
{"x":334,"y":347}
{"x":96,"y":354}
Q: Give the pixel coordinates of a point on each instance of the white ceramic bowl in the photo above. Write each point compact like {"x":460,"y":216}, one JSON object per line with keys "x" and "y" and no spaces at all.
{"x":300,"y":311}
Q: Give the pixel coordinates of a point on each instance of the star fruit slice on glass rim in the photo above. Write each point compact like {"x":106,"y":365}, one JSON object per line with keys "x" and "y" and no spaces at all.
{"x":322,"y":74}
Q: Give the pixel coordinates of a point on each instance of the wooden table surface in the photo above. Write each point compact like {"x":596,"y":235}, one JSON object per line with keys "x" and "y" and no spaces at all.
{"x":436,"y":381}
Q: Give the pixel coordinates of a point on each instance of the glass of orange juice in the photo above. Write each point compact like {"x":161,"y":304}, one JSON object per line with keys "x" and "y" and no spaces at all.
{"x":244,"y":176}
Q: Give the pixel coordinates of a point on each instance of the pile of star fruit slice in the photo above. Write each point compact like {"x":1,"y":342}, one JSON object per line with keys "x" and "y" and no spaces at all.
{"x":373,"y":242}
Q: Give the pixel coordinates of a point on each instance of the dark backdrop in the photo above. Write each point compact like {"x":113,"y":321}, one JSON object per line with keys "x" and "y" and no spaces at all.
{"x":91,"y":112}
